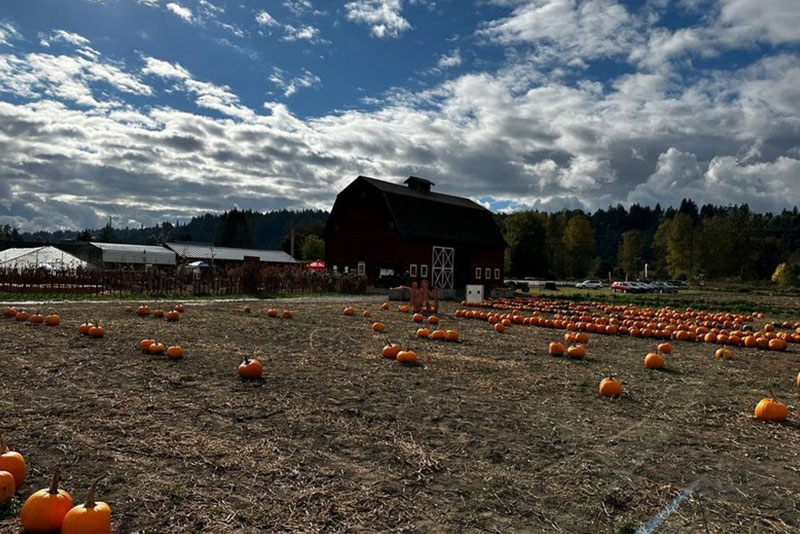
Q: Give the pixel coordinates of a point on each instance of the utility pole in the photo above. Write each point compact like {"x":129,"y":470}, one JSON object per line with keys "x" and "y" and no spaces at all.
{"x":291,"y":242}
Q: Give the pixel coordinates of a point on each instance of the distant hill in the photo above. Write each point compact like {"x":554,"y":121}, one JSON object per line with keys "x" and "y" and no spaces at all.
{"x":251,"y":228}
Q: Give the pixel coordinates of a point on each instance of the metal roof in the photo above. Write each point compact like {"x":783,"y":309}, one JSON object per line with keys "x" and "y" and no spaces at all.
{"x":48,"y":257}
{"x":135,"y":254}
{"x":209,"y":252}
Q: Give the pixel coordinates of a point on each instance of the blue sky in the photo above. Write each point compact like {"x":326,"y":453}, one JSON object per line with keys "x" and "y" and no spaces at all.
{"x":147,"y":110}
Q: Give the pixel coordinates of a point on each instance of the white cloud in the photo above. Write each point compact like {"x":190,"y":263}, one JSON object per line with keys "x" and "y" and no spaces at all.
{"x":301,"y":33}
{"x":265,"y":19}
{"x":290,"y":84}
{"x":449,"y":61}
{"x":383,"y":17}
{"x":8,"y":33}
{"x":148,"y":2}
{"x":183,"y":12}
{"x":207,"y":95}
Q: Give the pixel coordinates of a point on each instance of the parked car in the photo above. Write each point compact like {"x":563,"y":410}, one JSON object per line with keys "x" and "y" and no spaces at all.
{"x":590,"y":284}
{"x":664,"y":287}
{"x":622,"y":287}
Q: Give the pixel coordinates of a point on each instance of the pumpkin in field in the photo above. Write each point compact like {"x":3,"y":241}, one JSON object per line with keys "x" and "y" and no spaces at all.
{"x":287,"y":314}
{"x":143,"y":311}
{"x":14,"y":463}
{"x":22,"y":315}
{"x":556,"y":349}
{"x":499,"y":328}
{"x":423,"y":332}
{"x":96,"y":331}
{"x":37,"y":318}
{"x":407,"y":357}
{"x":437,"y":335}
{"x":173,"y":315}
{"x":44,"y":511}
{"x":367,"y":314}
{"x":433,"y":320}
{"x":10,"y":312}
{"x":7,"y":487}
{"x":378,"y":327}
{"x":417,"y":317}
{"x":610,"y":387}
{"x":128,"y":309}
{"x":404,"y":308}
{"x":175,"y":352}
{"x":145,"y":345}
{"x":723,"y":353}
{"x":156,"y":348}
{"x":576,"y":352}
{"x":84,"y":328}
{"x":52,"y":320}
{"x":385,"y":306}
{"x":246,"y":309}
{"x":390,"y":351}
{"x":93,"y":517}
{"x":349,"y":310}
{"x":771,"y":410}
{"x":665,"y":348}
{"x":451,"y":335}
{"x":180,"y":308}
{"x":159,"y":314}
{"x":777,"y":344}
{"x":654,"y":361}
{"x":570,"y":337}
{"x":250,"y":368}
{"x":272,"y":312}
{"x":582,"y":337}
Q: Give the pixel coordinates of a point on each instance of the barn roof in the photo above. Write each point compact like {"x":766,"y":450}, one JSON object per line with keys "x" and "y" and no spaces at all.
{"x":135,"y":254}
{"x":208,"y":252}
{"x":438,"y":216}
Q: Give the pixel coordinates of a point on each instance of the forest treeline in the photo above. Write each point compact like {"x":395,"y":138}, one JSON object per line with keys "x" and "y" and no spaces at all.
{"x":688,"y":242}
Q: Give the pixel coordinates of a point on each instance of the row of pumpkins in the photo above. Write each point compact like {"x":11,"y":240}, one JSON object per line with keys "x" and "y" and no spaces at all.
{"x":766,"y":338}
{"x":51,"y":509}
{"x":51,"y":319}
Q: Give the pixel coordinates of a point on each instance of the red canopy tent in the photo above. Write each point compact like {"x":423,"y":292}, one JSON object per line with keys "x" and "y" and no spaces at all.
{"x":316,"y":265}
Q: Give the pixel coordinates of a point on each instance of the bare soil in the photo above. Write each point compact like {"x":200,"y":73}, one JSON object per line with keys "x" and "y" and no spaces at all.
{"x":491,"y":434}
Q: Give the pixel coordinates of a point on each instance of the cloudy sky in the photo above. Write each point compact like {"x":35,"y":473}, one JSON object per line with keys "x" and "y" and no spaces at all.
{"x":150,"y":110}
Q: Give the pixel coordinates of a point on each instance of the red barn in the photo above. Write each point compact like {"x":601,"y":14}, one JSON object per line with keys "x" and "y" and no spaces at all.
{"x":391,"y":233}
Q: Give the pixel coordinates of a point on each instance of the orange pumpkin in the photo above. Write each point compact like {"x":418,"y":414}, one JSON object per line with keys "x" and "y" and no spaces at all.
{"x":22,"y":316}
{"x":423,"y":332}
{"x":44,"y":511}
{"x":93,"y":517}
{"x":437,"y":335}
{"x":378,"y":327}
{"x":159,"y":314}
{"x":10,"y":312}
{"x":287,"y":314}
{"x":156,"y":348}
{"x":175,"y":352}
{"x":665,"y":348}
{"x":771,"y":410}
{"x":37,"y":318}
{"x":366,"y":314}
{"x":723,"y":353}
{"x":654,"y":361}
{"x":417,"y":317}
{"x":250,"y":368}
{"x":272,"y":312}
{"x":407,"y":357}
{"x":7,"y":487}
{"x":404,"y":308}
{"x":609,"y":387}
{"x":52,"y":320}
{"x":173,"y":316}
{"x":97,"y":331}
{"x":777,"y":344}
{"x":13,"y":462}
{"x":143,"y":311}
{"x":180,"y":308}
{"x":451,"y":335}
{"x":349,"y":310}
{"x":797,"y":380}
{"x":433,"y":320}
{"x":145,"y":345}
{"x":128,"y":309}
{"x":390,"y":351}
{"x":556,"y":349}
{"x":84,"y":328}
{"x":385,"y":306}
{"x":576,"y":352}
{"x":499,"y":328}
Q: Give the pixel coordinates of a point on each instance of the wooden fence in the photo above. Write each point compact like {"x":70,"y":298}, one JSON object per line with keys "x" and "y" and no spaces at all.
{"x":246,"y":279}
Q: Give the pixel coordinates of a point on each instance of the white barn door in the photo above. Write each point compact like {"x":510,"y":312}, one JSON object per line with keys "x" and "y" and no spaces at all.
{"x":442,"y":267}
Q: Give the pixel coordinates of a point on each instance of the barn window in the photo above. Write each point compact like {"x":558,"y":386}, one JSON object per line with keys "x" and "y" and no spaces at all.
{"x":362,"y":268}
{"x":487,"y":273}
{"x":423,"y":270}
{"x":412,"y":270}
{"x":497,"y":274}
{"x":477,"y":273}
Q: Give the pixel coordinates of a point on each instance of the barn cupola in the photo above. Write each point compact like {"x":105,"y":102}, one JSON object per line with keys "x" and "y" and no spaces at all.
{"x":419,"y":184}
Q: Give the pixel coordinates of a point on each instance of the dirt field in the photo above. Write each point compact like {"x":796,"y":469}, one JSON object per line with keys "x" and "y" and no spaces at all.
{"x":490,"y":435}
